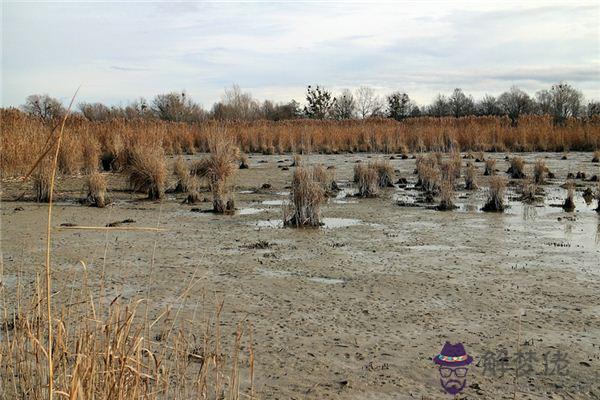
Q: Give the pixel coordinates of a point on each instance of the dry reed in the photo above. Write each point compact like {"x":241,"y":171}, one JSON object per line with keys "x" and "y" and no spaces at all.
{"x":495,"y":194}
{"x":569,"y":204}
{"x":539,"y":172}
{"x":147,"y":171}
{"x":367,"y":180}
{"x":470,"y":177}
{"x":96,"y":190}
{"x":517,"y":168}
{"x":306,"y":197}
{"x":490,"y":167}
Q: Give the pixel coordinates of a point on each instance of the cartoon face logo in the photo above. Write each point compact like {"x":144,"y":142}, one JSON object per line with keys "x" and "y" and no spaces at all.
{"x":453,"y":361}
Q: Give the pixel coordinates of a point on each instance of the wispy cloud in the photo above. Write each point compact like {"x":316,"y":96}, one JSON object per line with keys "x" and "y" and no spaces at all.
{"x":120,"y":51}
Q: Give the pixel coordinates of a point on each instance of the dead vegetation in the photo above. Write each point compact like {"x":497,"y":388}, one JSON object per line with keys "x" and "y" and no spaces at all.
{"x":446,"y":196}
{"x":490,"y":167}
{"x":596,"y":156}
{"x":539,"y":172}
{"x":470,"y":177}
{"x":306,"y":197}
{"x":528,"y":191}
{"x":367,"y":180}
{"x":220,"y":169}
{"x":147,"y":171}
{"x":96,"y":190}
{"x":495,"y":195}
{"x":182,"y":174}
{"x":569,"y":203}
{"x":385,"y":173}
{"x":41,"y":178}
{"x":517,"y":168}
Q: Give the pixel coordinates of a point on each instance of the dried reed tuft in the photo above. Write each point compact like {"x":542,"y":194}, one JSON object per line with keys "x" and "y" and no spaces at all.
{"x":244,"y":161}
{"x":446,"y":196}
{"x":96,"y":190}
{"x":221,"y":167}
{"x":42,"y":177}
{"x":306,"y":196}
{"x":182,"y":174}
{"x":596,"y":156}
{"x":539,"y":171}
{"x":385,"y":173}
{"x":490,"y":167}
{"x":326,"y":178}
{"x":147,"y":171}
{"x":528,"y":191}
{"x":367,"y":180}
{"x":569,"y":204}
{"x":495,"y":194}
{"x":470,"y":177}
{"x":517,"y":168}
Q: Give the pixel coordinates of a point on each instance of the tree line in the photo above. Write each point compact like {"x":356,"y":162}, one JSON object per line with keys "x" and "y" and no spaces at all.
{"x":561,"y":101}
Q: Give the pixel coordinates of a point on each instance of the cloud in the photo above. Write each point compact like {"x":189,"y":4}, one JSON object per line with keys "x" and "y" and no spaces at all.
{"x":125,"y":50}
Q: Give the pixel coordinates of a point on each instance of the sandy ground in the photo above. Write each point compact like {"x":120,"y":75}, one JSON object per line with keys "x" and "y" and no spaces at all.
{"x":357,"y":309}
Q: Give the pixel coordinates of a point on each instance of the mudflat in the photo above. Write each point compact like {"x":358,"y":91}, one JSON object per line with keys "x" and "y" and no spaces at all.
{"x":357,"y":308}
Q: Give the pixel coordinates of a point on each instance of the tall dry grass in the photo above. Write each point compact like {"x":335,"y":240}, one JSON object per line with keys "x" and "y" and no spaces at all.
{"x":495,"y":195}
{"x":21,"y":133}
{"x":220,"y":169}
{"x":306,"y":196}
{"x":96,"y":190}
{"x":147,"y":171}
{"x":367,"y":180}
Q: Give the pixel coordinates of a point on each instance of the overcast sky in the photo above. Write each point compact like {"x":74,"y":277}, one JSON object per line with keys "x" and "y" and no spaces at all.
{"x":119,"y":51}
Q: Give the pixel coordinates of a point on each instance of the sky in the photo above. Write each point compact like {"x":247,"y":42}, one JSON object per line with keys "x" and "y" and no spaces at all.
{"x":120,"y":51}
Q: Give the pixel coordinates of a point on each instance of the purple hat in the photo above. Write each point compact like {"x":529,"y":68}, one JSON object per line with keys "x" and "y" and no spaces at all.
{"x":453,"y":355}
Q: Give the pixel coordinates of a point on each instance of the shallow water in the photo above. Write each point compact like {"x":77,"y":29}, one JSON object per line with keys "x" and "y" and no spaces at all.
{"x":328,"y":223}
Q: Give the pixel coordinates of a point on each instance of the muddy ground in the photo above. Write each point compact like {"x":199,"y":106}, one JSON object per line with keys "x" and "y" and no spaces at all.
{"x":358,"y":308}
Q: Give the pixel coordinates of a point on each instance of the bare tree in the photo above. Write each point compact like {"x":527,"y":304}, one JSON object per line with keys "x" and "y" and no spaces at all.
{"x":368,"y":104}
{"x":43,"y":106}
{"x":345,"y":105}
{"x":562,"y":101}
{"x":593,"y":108}
{"x":95,"y":111}
{"x":488,"y":106}
{"x":440,"y":107}
{"x":515,"y":103}
{"x":176,"y":107}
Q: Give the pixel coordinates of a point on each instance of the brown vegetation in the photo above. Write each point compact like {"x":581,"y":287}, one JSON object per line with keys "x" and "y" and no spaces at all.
{"x":490,"y":167}
{"x":495,"y":194}
{"x":306,"y":197}
{"x":21,"y":133}
{"x":539,"y":171}
{"x":569,"y":204}
{"x":182,"y":175}
{"x":41,"y":178}
{"x":220,"y":169}
{"x":470,"y":177}
{"x":147,"y":171}
{"x":517,"y":168}
{"x":367,"y":180}
{"x":385,"y":173}
{"x":446,"y":196}
{"x":96,"y":190}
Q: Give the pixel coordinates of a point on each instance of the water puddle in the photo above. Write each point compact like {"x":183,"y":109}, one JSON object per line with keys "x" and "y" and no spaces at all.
{"x":328,"y":223}
{"x":250,"y":211}
{"x":246,"y":191}
{"x":287,"y":274}
{"x":275,"y":202}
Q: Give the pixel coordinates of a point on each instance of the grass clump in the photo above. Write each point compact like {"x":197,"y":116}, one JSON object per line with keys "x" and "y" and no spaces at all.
{"x":495,"y":195}
{"x":385,"y":173}
{"x":91,"y":155}
{"x":182,"y":174}
{"x":306,"y":197}
{"x":326,"y":178}
{"x":147,"y":171}
{"x":470,"y":177}
{"x":446,"y":196}
{"x":490,"y":167}
{"x":596,"y":156}
{"x":529,"y":191}
{"x":220,"y":169}
{"x":539,"y":172}
{"x":569,"y":204}
{"x":244,"y":164}
{"x":428,"y":174}
{"x":367,"y":180}
{"x":96,"y":190}
{"x":517,"y":168}
{"x":41,"y":181}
